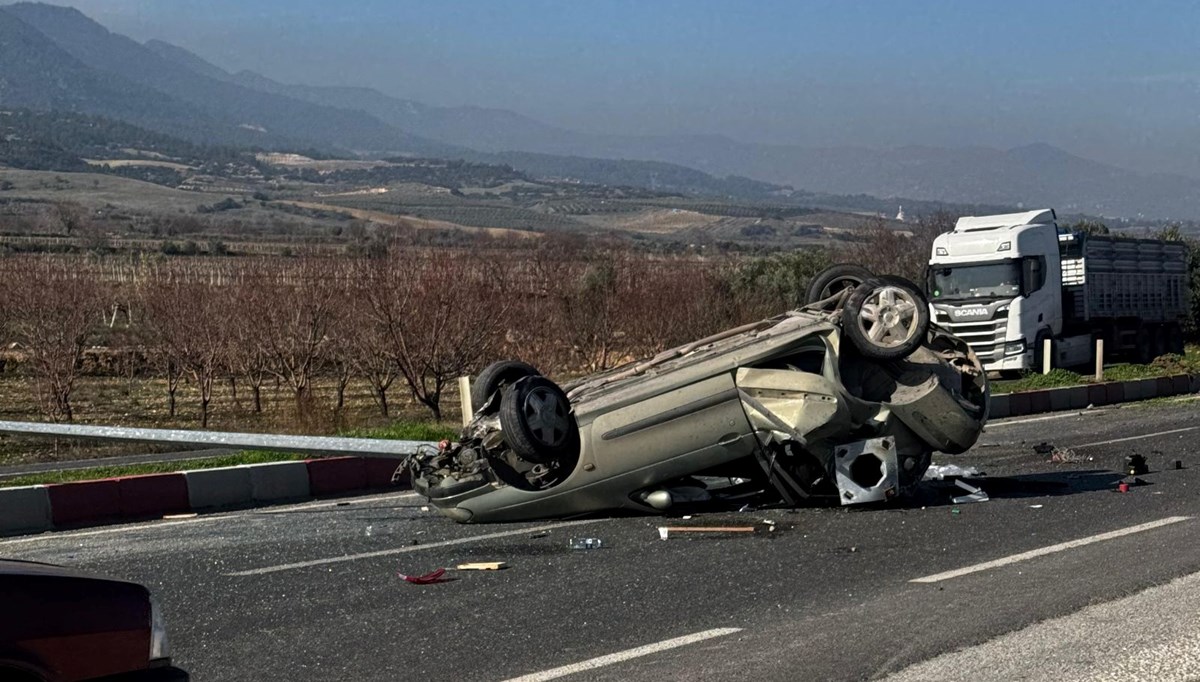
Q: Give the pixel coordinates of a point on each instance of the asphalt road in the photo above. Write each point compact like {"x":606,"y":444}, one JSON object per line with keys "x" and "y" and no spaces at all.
{"x":311,"y":591}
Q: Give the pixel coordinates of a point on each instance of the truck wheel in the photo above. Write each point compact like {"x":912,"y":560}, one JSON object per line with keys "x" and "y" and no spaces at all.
{"x":835,"y":279}
{"x":495,"y":377}
{"x":1178,"y":346}
{"x":886,"y":318}
{"x":1144,"y":351}
{"x":536,"y":421}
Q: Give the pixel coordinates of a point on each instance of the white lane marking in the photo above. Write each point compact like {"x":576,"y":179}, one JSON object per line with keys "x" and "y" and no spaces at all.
{"x":1129,"y":438}
{"x":60,"y":535}
{"x":1043,"y":551}
{"x":411,"y":548}
{"x":334,"y":502}
{"x":1030,"y":420}
{"x":621,"y":656}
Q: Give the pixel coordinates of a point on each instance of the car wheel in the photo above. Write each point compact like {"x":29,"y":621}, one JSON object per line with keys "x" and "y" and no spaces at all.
{"x":536,"y":419}
{"x":495,"y":377}
{"x":886,"y":318}
{"x":835,"y":279}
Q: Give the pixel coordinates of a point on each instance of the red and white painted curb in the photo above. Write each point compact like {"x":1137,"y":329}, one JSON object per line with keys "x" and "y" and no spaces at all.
{"x":126,"y":498}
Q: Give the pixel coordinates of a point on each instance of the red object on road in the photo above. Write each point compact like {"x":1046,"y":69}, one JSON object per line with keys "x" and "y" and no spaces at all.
{"x":1123,"y":487}
{"x":427,"y":579}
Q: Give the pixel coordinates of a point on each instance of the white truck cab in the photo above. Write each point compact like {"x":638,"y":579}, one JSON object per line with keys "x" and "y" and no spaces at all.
{"x":988,"y":285}
{"x":1006,"y":283}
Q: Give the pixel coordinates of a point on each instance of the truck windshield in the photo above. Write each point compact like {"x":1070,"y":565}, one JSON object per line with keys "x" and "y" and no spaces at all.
{"x":985,"y":280}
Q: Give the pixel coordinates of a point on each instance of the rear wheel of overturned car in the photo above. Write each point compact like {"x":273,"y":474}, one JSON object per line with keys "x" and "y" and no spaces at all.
{"x":535,"y":416}
{"x":834,"y":280}
{"x":495,"y":377}
{"x":886,"y":318}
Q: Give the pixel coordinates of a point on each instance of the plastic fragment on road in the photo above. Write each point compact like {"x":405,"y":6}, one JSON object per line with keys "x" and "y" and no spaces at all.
{"x":664,"y":532}
{"x":973,"y":494}
{"x":1036,"y":506}
{"x":585,"y":543}
{"x":942,"y":471}
{"x":1135,"y":465}
{"x":482,"y":566}
{"x":1122,"y":487}
{"x":430,"y":578}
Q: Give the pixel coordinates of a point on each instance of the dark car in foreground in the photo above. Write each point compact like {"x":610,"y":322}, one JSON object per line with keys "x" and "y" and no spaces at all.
{"x":63,"y":625}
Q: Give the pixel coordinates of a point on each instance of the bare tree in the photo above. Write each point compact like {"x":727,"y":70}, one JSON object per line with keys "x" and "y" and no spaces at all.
{"x":53,"y":309}
{"x":441,"y":313}
{"x":186,"y":322}
{"x":297,"y":323}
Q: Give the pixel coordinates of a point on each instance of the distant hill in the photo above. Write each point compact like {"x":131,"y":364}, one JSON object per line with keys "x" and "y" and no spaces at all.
{"x":57,"y":58}
{"x":1037,"y":174}
{"x":113,"y":56}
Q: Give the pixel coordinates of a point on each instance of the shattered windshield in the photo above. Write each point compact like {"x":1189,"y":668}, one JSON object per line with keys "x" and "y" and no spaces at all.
{"x":987,"y":280}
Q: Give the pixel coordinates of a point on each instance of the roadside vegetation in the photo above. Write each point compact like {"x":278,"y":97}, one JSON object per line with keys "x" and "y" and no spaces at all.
{"x":1167,"y":365}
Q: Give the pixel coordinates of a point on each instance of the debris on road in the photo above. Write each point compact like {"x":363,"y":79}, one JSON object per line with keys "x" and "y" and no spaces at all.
{"x":1122,"y":487}
{"x":482,"y":566}
{"x":1178,"y":464}
{"x":973,"y":494}
{"x":586,"y":543}
{"x":1135,"y":465}
{"x":537,"y":536}
{"x":191,"y":515}
{"x":939,"y":472}
{"x":438,"y":576}
{"x":1036,"y":506}
{"x":1043,"y":448}
{"x":665,"y":531}
{"x":1068,"y":456}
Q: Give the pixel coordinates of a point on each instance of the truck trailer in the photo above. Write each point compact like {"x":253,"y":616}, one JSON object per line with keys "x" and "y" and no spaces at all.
{"x":1006,"y":283}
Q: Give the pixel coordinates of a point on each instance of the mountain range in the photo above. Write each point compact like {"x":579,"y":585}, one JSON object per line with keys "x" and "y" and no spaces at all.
{"x":57,"y":58}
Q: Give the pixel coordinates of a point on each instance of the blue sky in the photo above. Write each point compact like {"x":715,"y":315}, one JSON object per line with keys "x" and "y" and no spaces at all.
{"x":1119,"y":81}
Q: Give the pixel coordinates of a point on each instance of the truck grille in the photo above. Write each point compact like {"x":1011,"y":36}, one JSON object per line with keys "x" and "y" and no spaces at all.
{"x":985,"y":338}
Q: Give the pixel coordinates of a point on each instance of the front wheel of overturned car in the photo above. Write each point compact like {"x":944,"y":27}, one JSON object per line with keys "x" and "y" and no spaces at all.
{"x":536,"y":421}
{"x":886,"y":318}
{"x":495,"y":377}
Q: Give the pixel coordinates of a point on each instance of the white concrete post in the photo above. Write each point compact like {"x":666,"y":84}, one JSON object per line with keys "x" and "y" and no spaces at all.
{"x":1099,"y":360}
{"x":464,"y":399}
{"x":1046,"y":345}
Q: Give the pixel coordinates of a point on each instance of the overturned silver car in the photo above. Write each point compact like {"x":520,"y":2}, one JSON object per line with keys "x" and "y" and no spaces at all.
{"x":843,"y":399}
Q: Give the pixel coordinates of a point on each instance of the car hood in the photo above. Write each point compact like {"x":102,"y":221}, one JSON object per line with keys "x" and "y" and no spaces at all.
{"x":16,"y":567}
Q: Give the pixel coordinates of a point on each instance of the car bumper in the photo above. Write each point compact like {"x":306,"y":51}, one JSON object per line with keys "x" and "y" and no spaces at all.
{"x":162,"y":673}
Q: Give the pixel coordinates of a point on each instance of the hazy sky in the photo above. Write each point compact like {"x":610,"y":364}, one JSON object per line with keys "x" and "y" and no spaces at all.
{"x":1117,"y":81}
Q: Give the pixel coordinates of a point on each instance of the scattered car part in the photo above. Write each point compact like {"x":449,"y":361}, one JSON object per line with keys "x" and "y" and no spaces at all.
{"x":973,"y":494}
{"x":433,"y":577}
{"x":1135,"y":465}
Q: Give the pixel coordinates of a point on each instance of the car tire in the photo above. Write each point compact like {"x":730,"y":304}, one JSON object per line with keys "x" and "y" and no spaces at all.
{"x":886,"y":318}
{"x":495,"y":377}
{"x":536,"y":421}
{"x":833,"y":279}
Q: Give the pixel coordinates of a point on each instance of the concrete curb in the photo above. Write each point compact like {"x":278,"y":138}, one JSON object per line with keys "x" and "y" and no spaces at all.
{"x":1079,"y":397}
{"x":25,"y":509}
{"x":85,"y":503}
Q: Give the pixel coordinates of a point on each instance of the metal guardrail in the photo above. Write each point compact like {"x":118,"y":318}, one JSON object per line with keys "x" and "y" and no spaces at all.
{"x":316,"y":445}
